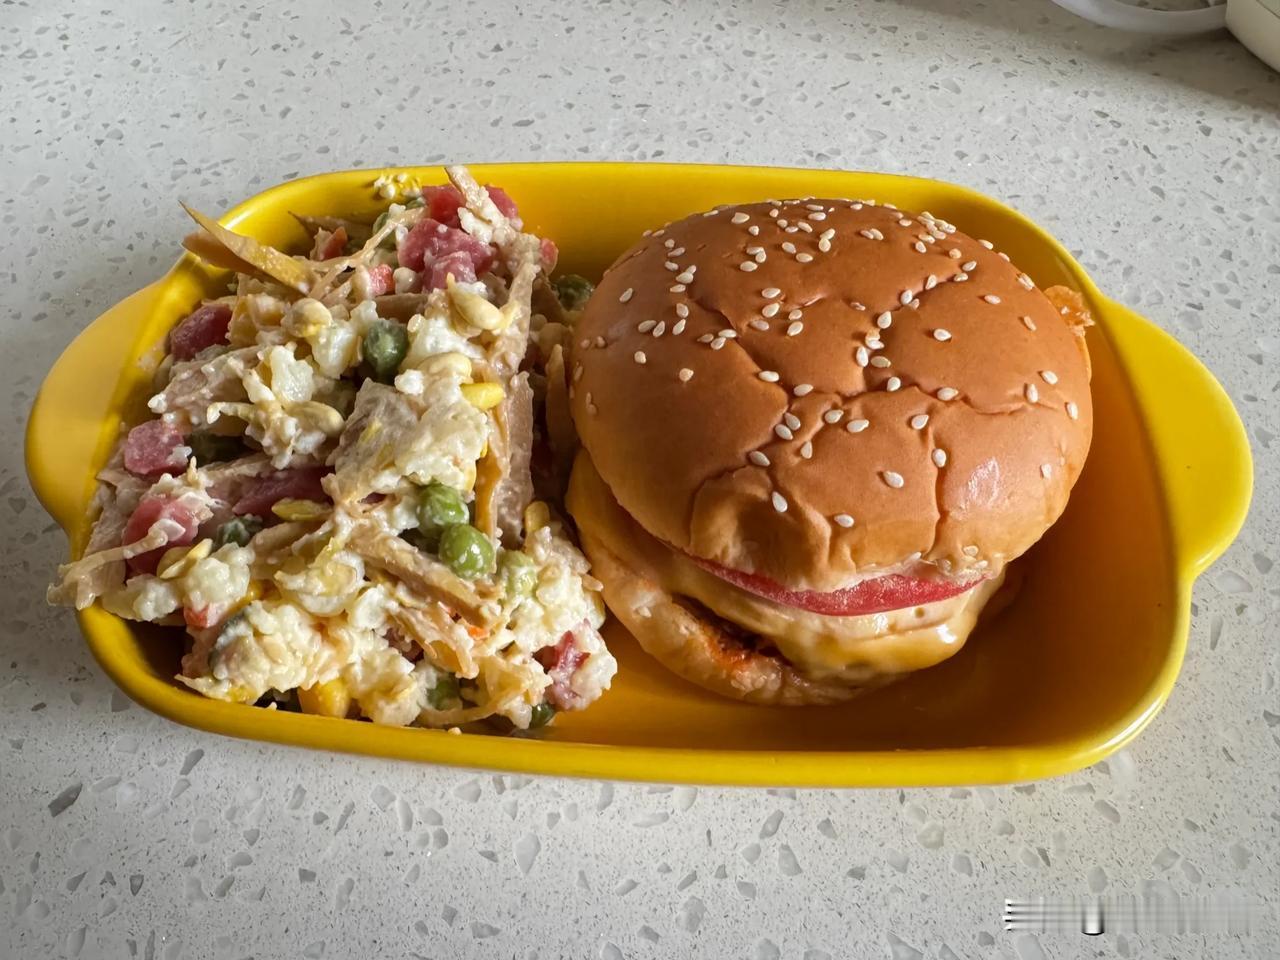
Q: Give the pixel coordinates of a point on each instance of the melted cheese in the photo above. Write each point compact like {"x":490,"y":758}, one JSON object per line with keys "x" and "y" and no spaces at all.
{"x":853,"y":649}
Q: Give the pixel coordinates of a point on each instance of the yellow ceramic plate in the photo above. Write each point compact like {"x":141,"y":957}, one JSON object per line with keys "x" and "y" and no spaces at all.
{"x":1072,"y":670}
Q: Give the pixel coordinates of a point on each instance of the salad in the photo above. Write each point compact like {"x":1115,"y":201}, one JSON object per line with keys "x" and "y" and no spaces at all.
{"x":343,"y":495}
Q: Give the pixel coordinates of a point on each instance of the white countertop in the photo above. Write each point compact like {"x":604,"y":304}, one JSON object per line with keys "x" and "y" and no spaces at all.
{"x":123,"y":835}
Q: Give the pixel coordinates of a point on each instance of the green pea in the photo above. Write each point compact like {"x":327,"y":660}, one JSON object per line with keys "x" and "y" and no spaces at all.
{"x":385,"y":344}
{"x":438,"y":506}
{"x":238,"y":531}
{"x":541,"y":715}
{"x":574,"y":291}
{"x":208,"y":447}
{"x":518,"y":572}
{"x":389,"y":241}
{"x":444,"y":692}
{"x":466,"y":551}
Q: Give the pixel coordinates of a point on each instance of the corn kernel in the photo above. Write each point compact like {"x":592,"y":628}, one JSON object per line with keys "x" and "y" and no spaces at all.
{"x":178,"y":560}
{"x":291,"y":509}
{"x":536,"y":516}
{"x":483,"y":396}
{"x":328,"y":699}
{"x":475,"y":309}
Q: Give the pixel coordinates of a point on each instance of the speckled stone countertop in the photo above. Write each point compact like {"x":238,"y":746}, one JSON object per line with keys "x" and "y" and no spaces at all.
{"x":123,"y":835}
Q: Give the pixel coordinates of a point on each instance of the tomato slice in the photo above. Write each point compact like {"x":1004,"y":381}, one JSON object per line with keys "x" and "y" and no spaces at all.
{"x":893,"y":591}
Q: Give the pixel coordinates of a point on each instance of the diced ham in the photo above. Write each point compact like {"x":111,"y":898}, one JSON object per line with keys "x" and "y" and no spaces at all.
{"x":429,"y":240}
{"x":202,"y":328}
{"x":458,"y":264}
{"x":443,"y":203}
{"x":381,"y":280}
{"x":153,"y":448}
{"x":550,"y":254}
{"x":203,"y":617}
{"x":561,"y":662}
{"x":296,"y":483}
{"x":149,"y":510}
{"x":332,"y":245}
{"x":502,"y":200}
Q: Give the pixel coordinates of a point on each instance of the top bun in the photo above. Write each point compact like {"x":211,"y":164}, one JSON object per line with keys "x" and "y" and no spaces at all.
{"x":815,"y":390}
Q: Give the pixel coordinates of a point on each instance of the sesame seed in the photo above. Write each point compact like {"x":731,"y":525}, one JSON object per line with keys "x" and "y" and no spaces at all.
{"x":969,"y":265}
{"x":904,"y":222}
{"x":855,"y":206}
{"x":861,"y":356}
{"x":806,"y":450}
{"x":1026,"y":281}
{"x":783,"y":432}
{"x":1072,"y":410}
{"x":947,"y":393}
{"x":876,"y":234}
{"x":686,"y":277}
{"x":646,"y":325}
{"x":718,"y":343}
{"x":971,"y":550}
{"x":706,"y":338}
{"x":783,"y":222}
{"x":824,"y":246}
{"x":884,"y":320}
{"x":740,"y":217}
{"x":843,"y":519}
{"x":817,"y":216}
{"x":577,"y":372}
{"x":827,"y":234}
{"x":942,"y":336}
{"x":753,"y":230}
{"x":905,"y":297}
{"x":600,"y":343}
{"x":676,"y":252}
{"x":1045,"y":470}
{"x":770,"y":293}
{"x":960,"y":278}
{"x":728,"y":333}
{"x":954,"y":253}
{"x":771,"y":309}
{"x":660,"y":329}
{"x":930,"y":282}
{"x":1033,"y":395}
{"x":679,"y":288}
{"x":990,"y":298}
{"x":919,"y":247}
{"x":988,"y":244}
{"x":1028,"y":323}
{"x":673,"y":267}
{"x":939,"y":457}
{"x":768,"y":376}
{"x":678,"y":328}
{"x":754,"y":250}
{"x":791,"y":420}
{"x":873,"y":342}
{"x":626,"y":295}
{"x":919,"y":421}
{"x":1049,"y":377}
{"x":773,"y":213}
{"x":1003,"y":256}
{"x":758,"y":458}
{"x":685,"y":375}
{"x":833,"y":416}
{"x":857,"y":306}
{"x":639,"y":357}
{"x":584,"y":344}
{"x":893,"y":479}
{"x":806,"y":227}
{"x":779,"y":501}
{"x":915,"y":303}
{"x":758,"y":324}
{"x":795,"y":314}
{"x":813,"y":206}
{"x":669,"y":243}
{"x":804,"y":257}
{"x":761,"y":256}
{"x":788,"y":247}
{"x":682,"y":310}
{"x":802,"y":389}
{"x":857,"y":426}
{"x":746,"y":266}
{"x":881,"y":361}
{"x":866,"y":233}
{"x":892,"y":384}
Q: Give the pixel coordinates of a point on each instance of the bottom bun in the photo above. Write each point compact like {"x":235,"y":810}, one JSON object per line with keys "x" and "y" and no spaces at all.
{"x":693,"y":641}
{"x":698,"y":645}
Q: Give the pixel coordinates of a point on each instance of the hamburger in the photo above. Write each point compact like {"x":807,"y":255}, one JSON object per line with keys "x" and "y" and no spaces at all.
{"x":814,"y":434}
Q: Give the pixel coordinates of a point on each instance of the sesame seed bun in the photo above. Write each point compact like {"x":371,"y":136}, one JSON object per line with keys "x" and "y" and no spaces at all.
{"x":727,"y":393}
